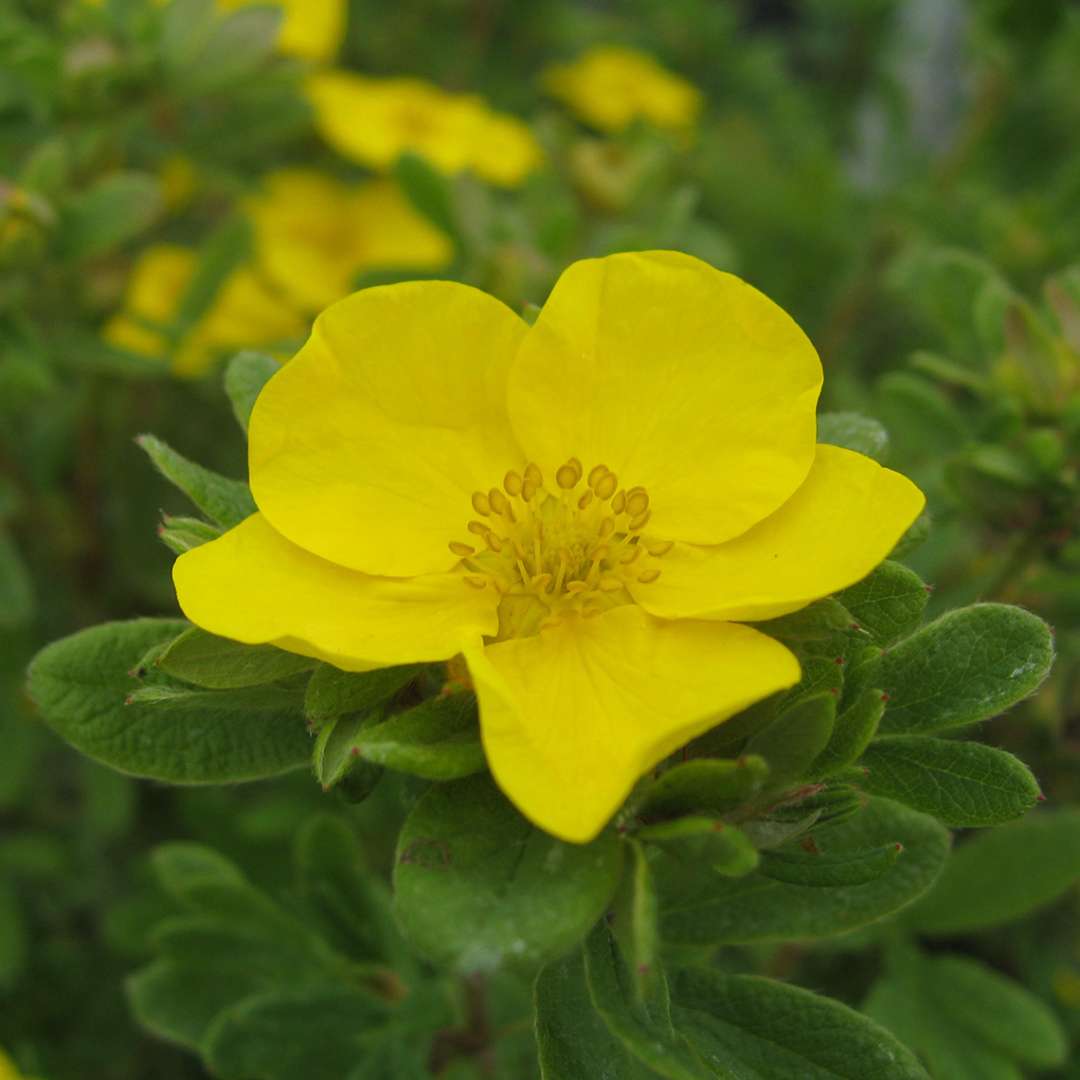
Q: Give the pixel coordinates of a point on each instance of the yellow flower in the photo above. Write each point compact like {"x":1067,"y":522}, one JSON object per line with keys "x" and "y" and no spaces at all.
{"x":313,"y":234}
{"x":244,"y":314}
{"x":588,"y":509}
{"x":8,"y":1070}
{"x":310,"y":29}
{"x":610,"y":87}
{"x":375,"y":121}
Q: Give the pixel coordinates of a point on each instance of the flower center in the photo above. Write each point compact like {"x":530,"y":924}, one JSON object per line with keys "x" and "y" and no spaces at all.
{"x":572,"y":548}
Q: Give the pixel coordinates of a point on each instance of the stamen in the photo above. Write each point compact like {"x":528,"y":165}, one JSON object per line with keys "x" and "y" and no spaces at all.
{"x":498,"y":501}
{"x":567,"y":476}
{"x":533,"y":475}
{"x":637,"y":502}
{"x":585,"y":499}
{"x":461,"y":549}
{"x":528,"y":490}
{"x":595,"y":473}
{"x":639,"y":523}
{"x":478,"y":528}
{"x":481,"y":504}
{"x":493,"y":541}
{"x":607,"y":527}
{"x":477,"y":581}
{"x":606,"y":485}
{"x":513,"y":483}
{"x":611,"y":584}
{"x":648,"y":576}
{"x":618,"y":504}
{"x":660,"y":550}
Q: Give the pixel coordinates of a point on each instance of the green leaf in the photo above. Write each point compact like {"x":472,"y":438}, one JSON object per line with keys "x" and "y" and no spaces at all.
{"x":819,"y":621}
{"x":706,"y":841}
{"x":220,"y":254}
{"x":853,"y":431}
{"x":634,"y":919}
{"x":233,"y":50}
{"x":889,"y":603}
{"x":964,"y":1018}
{"x":964,"y":784}
{"x":430,"y":192}
{"x":644,"y":1027}
{"x":117,"y":208}
{"x":226,"y":502}
{"x":16,"y":589}
{"x":701,"y":909}
{"x":792,"y":742}
{"x":1042,"y":857}
{"x":220,"y":664}
{"x":851,"y":735}
{"x":439,"y":739}
{"x":301,"y":1035}
{"x":332,"y":692}
{"x":572,"y":1041}
{"x":13,"y":938}
{"x":967,"y":666}
{"x":745,"y":1025}
{"x":80,"y":684}
{"x":476,"y":886}
{"x":829,"y":871}
{"x":335,"y":757}
{"x":245,"y":376}
{"x":180,"y":534}
{"x":703,"y":784}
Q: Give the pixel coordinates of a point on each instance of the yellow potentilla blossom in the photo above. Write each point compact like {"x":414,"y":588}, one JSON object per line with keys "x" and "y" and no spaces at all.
{"x":588,"y":509}
{"x":610,"y":87}
{"x":311,"y":29}
{"x":375,"y":121}
{"x":244,"y":314}
{"x":314,"y":234}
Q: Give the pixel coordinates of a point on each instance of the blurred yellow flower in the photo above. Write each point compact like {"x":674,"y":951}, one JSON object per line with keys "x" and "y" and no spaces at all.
{"x":244,"y":314}
{"x":610,"y":87}
{"x":8,"y":1071}
{"x":310,"y":29}
{"x":375,"y":121}
{"x":313,"y":234}
{"x":588,"y":509}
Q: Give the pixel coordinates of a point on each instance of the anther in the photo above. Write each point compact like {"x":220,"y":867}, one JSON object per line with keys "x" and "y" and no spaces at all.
{"x":533,"y":475}
{"x":648,"y":576}
{"x":574,"y":587}
{"x":606,"y":485}
{"x":637,"y":502}
{"x":528,"y":490}
{"x":481,"y":504}
{"x":595,"y":474}
{"x":610,"y":584}
{"x":576,"y":462}
{"x":493,"y":541}
{"x":607,"y":527}
{"x":477,"y":581}
{"x":498,"y":501}
{"x":585,"y":499}
{"x":618,"y":504}
{"x":640,"y":521}
{"x":461,"y":549}
{"x":478,"y":528}
{"x":566,"y":476}
{"x":660,"y":550}
{"x":513,"y":483}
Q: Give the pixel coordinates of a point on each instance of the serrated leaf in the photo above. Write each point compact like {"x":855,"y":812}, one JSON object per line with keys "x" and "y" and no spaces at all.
{"x":1042,"y":854}
{"x":706,"y":841}
{"x":792,"y":742}
{"x":853,"y":431}
{"x":963,"y":784}
{"x":700,"y":909}
{"x":829,"y":871}
{"x":967,"y":666}
{"x":851,"y":734}
{"x":702,"y":784}
{"x":332,"y":692}
{"x":226,"y":502}
{"x":476,"y":886}
{"x":80,"y":684}
{"x":745,"y":1025}
{"x":634,"y":918}
{"x":217,"y":663}
{"x":245,"y":376}
{"x":572,"y":1040}
{"x":888,"y":603}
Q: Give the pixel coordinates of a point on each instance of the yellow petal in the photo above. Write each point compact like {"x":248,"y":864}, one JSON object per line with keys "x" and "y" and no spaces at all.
{"x":834,"y":530}
{"x":571,"y":718}
{"x":366,"y":448}
{"x":679,"y":378}
{"x":254,"y":586}
{"x":310,"y":29}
